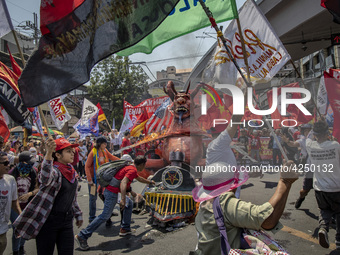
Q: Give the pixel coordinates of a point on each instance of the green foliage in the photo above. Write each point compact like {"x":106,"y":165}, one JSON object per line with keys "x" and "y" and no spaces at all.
{"x":114,"y":79}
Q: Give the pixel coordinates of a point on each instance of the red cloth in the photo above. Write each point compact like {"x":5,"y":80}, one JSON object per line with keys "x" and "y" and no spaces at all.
{"x":130,"y":172}
{"x":333,"y":92}
{"x":126,"y":142}
{"x":4,"y":131}
{"x":66,"y":170}
{"x":50,"y":13}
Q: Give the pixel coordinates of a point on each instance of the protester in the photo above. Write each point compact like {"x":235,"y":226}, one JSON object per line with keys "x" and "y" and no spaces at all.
{"x":255,"y":145}
{"x":116,"y":141}
{"x":308,"y":180}
{"x":237,"y":213}
{"x":82,"y":159}
{"x":277,"y":156}
{"x":88,"y":144}
{"x":38,"y":158}
{"x":98,"y":156}
{"x":27,"y":183}
{"x":8,"y":198}
{"x":126,"y":142}
{"x":325,"y":155}
{"x":126,"y":175}
{"x":49,"y":216}
{"x":291,"y":152}
{"x":15,"y":147}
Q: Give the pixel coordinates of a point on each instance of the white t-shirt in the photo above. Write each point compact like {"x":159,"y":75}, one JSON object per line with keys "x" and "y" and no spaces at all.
{"x":8,"y":193}
{"x":83,"y":152}
{"x":302,"y":142}
{"x":325,"y":161}
{"x":116,"y":140}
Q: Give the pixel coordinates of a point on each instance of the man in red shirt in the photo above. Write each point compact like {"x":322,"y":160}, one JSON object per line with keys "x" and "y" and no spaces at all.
{"x":255,"y":145}
{"x":126,"y":142}
{"x":126,"y":175}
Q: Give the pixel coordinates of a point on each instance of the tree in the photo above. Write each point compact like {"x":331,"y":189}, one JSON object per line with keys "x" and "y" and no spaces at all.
{"x":114,"y":79}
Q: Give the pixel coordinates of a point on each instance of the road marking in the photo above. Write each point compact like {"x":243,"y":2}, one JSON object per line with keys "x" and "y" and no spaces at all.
{"x":305,"y":236}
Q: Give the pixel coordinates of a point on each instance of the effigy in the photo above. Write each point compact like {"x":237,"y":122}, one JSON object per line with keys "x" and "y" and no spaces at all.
{"x":182,"y":149}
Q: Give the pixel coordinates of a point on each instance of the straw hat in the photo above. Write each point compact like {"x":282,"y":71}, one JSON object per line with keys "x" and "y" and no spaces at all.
{"x":218,"y":179}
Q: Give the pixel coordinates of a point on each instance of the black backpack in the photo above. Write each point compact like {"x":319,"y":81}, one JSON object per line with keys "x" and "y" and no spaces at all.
{"x":106,"y":172}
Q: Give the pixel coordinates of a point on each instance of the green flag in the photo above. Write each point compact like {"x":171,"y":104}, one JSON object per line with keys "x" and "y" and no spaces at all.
{"x":188,"y":16}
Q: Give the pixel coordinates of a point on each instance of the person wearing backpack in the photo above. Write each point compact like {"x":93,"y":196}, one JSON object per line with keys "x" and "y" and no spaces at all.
{"x":217,"y":197}
{"x":99,"y":155}
{"x":26,"y":177}
{"x":125,"y":176}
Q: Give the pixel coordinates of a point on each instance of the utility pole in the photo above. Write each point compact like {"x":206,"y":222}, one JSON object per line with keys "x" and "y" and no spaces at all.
{"x":35,"y":27}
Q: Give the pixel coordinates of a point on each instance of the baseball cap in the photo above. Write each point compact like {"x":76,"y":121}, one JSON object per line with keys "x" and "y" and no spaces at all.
{"x":62,"y":143}
{"x":27,"y":157}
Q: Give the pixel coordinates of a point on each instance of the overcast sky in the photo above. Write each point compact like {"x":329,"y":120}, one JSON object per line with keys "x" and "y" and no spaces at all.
{"x":177,"y":52}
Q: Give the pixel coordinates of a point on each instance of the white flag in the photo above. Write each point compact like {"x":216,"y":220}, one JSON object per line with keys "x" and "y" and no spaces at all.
{"x":89,"y":110}
{"x":6,"y":25}
{"x":266,"y":53}
{"x":322,"y":99}
{"x":59,"y":112}
{"x":126,"y":125}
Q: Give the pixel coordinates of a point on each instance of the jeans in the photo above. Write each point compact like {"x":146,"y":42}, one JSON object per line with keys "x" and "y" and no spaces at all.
{"x":57,"y":230}
{"x":92,"y":204}
{"x":109,"y":205}
{"x":16,"y":242}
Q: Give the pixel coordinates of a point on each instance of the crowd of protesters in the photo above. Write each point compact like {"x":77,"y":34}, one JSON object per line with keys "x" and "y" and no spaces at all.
{"x":39,"y":182}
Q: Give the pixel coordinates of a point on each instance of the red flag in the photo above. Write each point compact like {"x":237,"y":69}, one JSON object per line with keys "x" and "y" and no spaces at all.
{"x":4,"y":131}
{"x":101,"y":114}
{"x":52,"y":11}
{"x":10,"y":98}
{"x":333,"y":92}
{"x":293,"y":112}
{"x":16,"y":68}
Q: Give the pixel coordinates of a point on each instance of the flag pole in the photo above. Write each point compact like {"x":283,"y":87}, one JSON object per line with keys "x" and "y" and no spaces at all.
{"x":304,"y":85}
{"x":245,"y":57}
{"x":108,"y":123}
{"x":224,"y":41}
{"x":39,"y":108}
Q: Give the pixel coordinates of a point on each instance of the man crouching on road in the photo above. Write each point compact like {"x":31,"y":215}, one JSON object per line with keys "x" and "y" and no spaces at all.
{"x":127,"y":174}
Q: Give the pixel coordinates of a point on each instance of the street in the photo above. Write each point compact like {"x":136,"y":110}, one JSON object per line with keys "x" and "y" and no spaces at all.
{"x":299,"y":235}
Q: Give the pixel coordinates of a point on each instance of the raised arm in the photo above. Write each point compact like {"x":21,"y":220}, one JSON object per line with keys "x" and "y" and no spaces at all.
{"x":279,"y":199}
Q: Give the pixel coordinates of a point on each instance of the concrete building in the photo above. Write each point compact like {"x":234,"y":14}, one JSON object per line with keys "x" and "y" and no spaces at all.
{"x":177,"y":76}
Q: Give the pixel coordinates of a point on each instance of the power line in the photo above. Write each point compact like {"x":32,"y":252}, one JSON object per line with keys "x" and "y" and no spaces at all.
{"x":19,"y":6}
{"x":176,"y":58}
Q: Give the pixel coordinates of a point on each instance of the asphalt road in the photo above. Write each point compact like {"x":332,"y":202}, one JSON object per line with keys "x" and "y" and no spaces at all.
{"x":299,"y":235}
